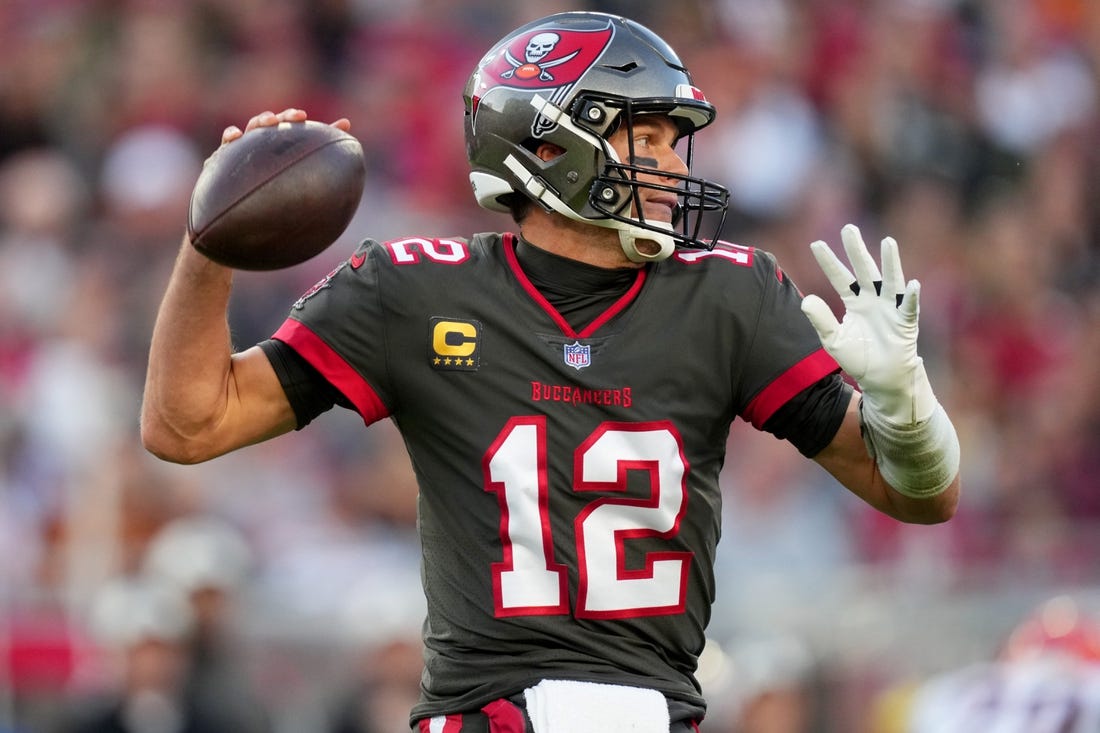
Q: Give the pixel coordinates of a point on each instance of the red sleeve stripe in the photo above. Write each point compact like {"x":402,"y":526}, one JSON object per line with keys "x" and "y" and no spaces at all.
{"x":800,"y":376}
{"x":334,"y":368}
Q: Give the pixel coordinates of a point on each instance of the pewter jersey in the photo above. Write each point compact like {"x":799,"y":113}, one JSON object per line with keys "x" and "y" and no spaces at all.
{"x":569,"y":502}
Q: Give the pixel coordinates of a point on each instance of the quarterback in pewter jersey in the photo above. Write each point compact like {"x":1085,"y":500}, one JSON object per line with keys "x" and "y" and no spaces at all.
{"x":565,"y":390}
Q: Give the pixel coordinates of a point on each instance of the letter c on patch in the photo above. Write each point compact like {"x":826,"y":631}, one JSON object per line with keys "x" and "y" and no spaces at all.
{"x":455,"y":344}
{"x":453,"y":338}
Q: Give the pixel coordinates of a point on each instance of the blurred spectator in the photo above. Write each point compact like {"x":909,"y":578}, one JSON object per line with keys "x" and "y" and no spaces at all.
{"x":381,"y":689}
{"x":43,"y":201}
{"x":381,"y":657}
{"x":1034,"y":85}
{"x":768,"y":686}
{"x":207,"y":561}
{"x":147,"y":169}
{"x":142,"y":628}
{"x":768,"y":139}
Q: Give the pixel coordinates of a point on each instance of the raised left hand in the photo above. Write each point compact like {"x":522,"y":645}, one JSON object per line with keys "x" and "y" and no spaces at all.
{"x":876,"y":340}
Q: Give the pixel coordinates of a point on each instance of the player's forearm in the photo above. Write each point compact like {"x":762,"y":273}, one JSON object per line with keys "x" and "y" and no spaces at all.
{"x":187,"y":381}
{"x":863,"y":478}
{"x":927,"y":510}
{"x":848,"y":459}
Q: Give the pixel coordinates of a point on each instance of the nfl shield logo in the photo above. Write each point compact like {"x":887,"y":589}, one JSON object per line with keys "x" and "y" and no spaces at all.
{"x":577,"y":355}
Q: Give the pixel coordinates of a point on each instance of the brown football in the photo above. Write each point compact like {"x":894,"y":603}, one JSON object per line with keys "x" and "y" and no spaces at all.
{"x":276,"y":196}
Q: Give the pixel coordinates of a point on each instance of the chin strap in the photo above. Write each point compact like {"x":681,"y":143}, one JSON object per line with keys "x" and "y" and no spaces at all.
{"x":629,"y":235}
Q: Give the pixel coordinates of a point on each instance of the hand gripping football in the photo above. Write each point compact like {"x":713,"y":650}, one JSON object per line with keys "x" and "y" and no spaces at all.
{"x":276,"y":196}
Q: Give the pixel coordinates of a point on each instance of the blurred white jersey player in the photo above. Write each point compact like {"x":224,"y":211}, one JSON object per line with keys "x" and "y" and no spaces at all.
{"x":1047,"y":680}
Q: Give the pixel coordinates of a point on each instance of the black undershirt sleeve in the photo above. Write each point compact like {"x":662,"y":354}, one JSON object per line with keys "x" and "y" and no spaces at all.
{"x":309,"y":393}
{"x":811,"y":418}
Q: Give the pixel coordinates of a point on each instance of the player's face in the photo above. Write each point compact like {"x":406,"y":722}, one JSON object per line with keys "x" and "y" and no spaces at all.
{"x":654,"y":147}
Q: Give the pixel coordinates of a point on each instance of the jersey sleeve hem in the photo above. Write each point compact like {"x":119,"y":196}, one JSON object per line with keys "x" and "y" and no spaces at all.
{"x":334,"y":368}
{"x":800,"y":376}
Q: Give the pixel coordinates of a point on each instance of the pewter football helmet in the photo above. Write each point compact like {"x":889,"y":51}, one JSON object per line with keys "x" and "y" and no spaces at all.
{"x":572,"y":79}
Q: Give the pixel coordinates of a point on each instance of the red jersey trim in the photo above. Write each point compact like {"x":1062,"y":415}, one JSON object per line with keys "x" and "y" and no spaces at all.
{"x":800,"y":376}
{"x":335,"y":369}
{"x":615,"y":308}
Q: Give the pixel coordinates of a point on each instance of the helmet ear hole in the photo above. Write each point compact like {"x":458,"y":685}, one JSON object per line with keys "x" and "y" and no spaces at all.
{"x":548,"y":151}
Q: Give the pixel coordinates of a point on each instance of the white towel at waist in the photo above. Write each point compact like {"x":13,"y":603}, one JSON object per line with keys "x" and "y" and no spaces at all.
{"x":568,"y":706}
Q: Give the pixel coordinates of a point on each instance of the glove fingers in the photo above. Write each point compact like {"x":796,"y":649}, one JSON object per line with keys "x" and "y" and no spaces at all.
{"x":910,"y":302}
{"x":821,"y":317}
{"x":839,"y":275}
{"x":866,"y":270}
{"x":893,"y":281}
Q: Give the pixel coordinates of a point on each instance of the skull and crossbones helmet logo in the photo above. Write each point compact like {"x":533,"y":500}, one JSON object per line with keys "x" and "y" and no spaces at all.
{"x":538,"y":48}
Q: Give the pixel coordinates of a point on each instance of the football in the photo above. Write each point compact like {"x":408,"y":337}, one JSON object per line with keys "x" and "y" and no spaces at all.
{"x":276,"y":196}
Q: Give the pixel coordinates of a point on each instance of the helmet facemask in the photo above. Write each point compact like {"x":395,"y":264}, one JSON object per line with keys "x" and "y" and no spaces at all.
{"x":615,"y":193}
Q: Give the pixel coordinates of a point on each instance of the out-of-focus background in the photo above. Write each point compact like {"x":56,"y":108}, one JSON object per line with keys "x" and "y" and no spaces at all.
{"x":279,"y":585}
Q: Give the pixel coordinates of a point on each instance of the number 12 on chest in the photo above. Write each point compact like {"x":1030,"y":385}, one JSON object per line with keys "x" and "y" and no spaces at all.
{"x":528,"y":580}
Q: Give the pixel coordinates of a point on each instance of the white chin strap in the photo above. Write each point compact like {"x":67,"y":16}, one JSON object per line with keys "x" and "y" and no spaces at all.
{"x":629,"y":237}
{"x":629,"y":234}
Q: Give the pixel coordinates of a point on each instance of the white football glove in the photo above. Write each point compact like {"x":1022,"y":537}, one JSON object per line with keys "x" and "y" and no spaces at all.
{"x":876,"y":342}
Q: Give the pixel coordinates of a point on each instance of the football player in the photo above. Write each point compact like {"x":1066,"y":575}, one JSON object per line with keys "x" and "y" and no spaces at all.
{"x":566,"y":390}
{"x":1046,"y":679}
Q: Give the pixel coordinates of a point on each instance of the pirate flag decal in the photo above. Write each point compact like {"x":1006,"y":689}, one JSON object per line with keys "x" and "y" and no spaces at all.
{"x":543,"y":60}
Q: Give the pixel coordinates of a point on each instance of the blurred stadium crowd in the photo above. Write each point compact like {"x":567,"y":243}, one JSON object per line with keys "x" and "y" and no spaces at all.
{"x":967,"y":129}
